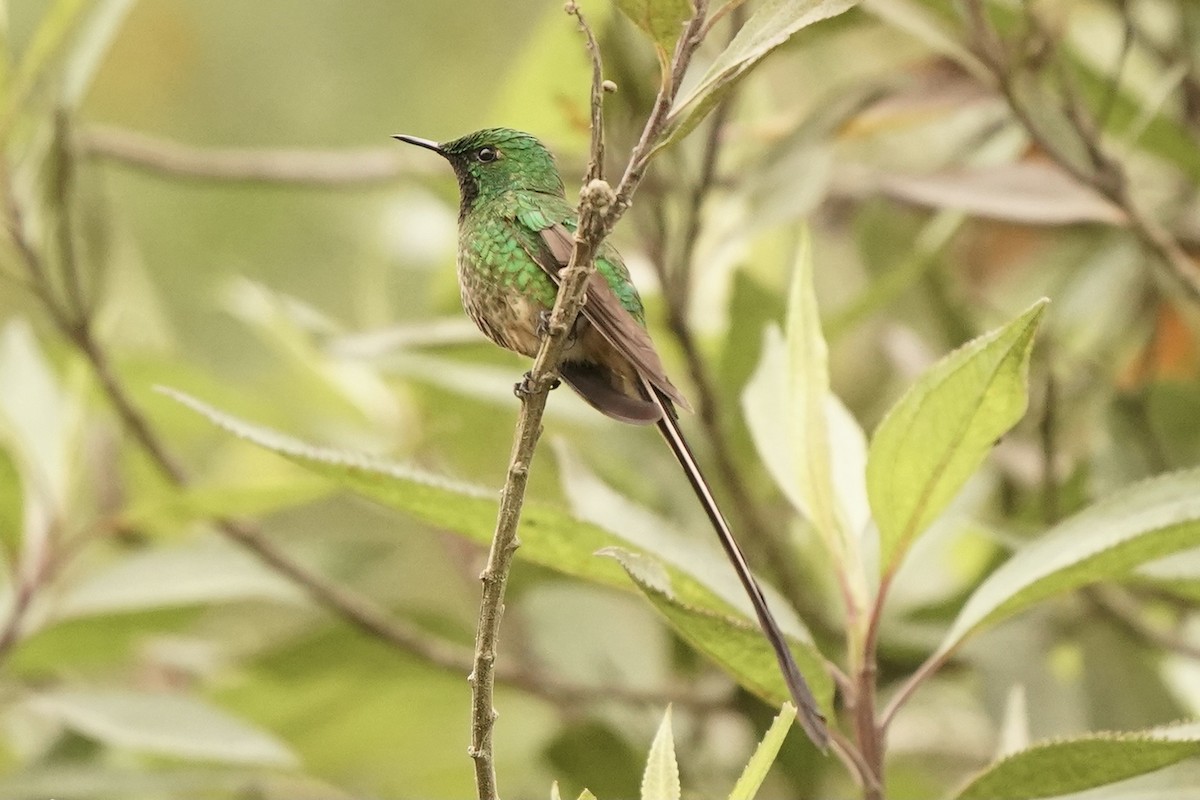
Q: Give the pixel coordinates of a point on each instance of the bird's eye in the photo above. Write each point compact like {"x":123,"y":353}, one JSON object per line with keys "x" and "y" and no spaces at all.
{"x":486,"y":154}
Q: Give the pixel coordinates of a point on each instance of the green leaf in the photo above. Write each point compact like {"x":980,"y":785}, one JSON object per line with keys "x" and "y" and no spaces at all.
{"x":1072,"y":765}
{"x":164,"y":724}
{"x":764,"y":755}
{"x":660,"y":781}
{"x":549,"y":537}
{"x":939,"y":432}
{"x":199,"y":572}
{"x":662,"y":19}
{"x":178,"y":507}
{"x":40,"y":424}
{"x":771,"y":25}
{"x":737,"y":645}
{"x":1142,"y":522}
{"x":586,"y":794}
{"x":699,"y":569}
{"x":809,"y":441}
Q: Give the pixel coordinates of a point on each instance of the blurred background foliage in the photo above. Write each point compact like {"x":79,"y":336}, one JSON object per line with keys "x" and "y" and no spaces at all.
{"x":245,"y":231}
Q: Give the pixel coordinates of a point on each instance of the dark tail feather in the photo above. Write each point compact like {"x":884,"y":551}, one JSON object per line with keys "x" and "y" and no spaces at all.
{"x":810,"y":717}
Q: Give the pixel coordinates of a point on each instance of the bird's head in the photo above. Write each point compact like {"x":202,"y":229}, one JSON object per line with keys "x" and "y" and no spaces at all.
{"x":495,"y":160}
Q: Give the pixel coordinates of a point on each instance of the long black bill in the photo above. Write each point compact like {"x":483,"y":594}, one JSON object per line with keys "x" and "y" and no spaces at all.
{"x":428,"y":144}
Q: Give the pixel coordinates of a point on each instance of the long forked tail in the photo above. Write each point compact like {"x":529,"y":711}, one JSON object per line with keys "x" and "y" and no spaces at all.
{"x":810,"y":717}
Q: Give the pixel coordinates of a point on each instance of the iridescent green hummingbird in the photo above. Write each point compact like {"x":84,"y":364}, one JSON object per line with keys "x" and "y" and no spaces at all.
{"x":515,"y":234}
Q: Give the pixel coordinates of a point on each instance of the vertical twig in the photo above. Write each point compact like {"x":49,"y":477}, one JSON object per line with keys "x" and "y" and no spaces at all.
{"x":599,"y":210}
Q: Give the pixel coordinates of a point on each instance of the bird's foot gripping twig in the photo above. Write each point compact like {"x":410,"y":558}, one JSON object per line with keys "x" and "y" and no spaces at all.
{"x":524,"y":387}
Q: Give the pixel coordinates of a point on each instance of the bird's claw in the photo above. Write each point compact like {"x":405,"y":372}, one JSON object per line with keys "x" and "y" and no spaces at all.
{"x":542,"y":328}
{"x":524,"y":387}
{"x":543,"y":324}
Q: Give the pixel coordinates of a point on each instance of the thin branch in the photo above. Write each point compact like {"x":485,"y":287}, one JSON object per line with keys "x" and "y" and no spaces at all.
{"x":329,"y":169}
{"x":599,"y":210}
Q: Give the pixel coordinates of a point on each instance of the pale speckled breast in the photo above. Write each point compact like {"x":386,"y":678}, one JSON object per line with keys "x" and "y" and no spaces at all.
{"x":507,"y":317}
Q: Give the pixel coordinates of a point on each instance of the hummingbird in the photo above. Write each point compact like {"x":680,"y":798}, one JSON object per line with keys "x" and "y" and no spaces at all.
{"x":515,"y":236}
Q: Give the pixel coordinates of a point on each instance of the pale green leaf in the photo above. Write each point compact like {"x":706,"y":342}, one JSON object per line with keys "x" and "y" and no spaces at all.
{"x":90,"y":48}
{"x":737,"y":645}
{"x":554,"y":793}
{"x":809,"y":441}
{"x":662,"y":19}
{"x":1140,"y":523}
{"x":586,"y":794}
{"x":40,"y":422}
{"x":1072,"y":765}
{"x":162,"y":724}
{"x":196,"y":572}
{"x":811,"y":410}
{"x":764,"y":755}
{"x":700,"y":569}
{"x":772,"y":24}
{"x":939,"y":432}
{"x":660,"y":781}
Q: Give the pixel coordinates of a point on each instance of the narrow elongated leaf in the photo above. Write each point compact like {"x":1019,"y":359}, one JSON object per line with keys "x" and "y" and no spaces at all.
{"x":813,"y":414}
{"x":201,"y":572}
{"x":764,"y":755}
{"x":700,"y":568}
{"x":737,"y":645}
{"x":165,"y":724}
{"x":549,"y":537}
{"x":1072,"y":765}
{"x":1143,"y":522}
{"x":933,"y":439}
{"x":662,"y":19}
{"x":660,"y":781}
{"x":811,"y":443}
{"x":772,"y":24}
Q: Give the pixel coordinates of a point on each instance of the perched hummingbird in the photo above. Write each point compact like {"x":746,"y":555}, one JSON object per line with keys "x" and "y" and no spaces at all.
{"x":515,"y":234}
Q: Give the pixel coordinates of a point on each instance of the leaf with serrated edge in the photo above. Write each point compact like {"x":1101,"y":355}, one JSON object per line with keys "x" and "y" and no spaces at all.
{"x":939,"y":432}
{"x":1071,"y":765}
{"x":1139,"y":523}
{"x":764,"y":755}
{"x":660,"y":781}
{"x":770,"y":26}
{"x":738,"y":646}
